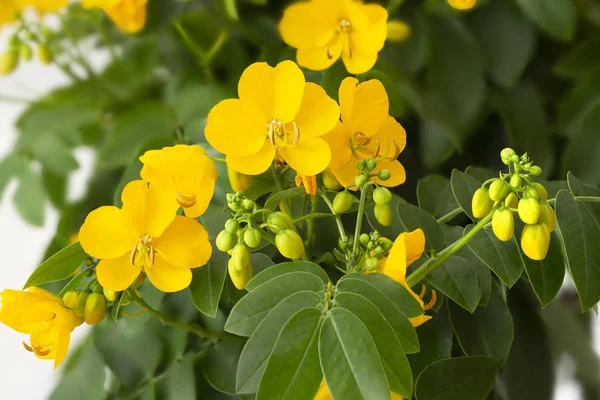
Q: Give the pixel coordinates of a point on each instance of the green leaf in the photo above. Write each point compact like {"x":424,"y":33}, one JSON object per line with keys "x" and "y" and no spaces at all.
{"x":10,"y":167}
{"x":54,"y":153}
{"x":55,"y":186}
{"x":464,"y":187}
{"x":193,"y":102}
{"x":293,"y":370}
{"x":207,"y":284}
{"x":413,"y":218}
{"x":488,"y":331}
{"x":389,"y":347}
{"x":507,"y":39}
{"x":435,"y":195}
{"x":458,"y":279}
{"x":258,"y":348}
{"x":480,"y":173}
{"x":30,"y":197}
{"x":578,"y":103}
{"x":581,"y":151}
{"x":402,"y":326}
{"x":580,"y":233}
{"x":247,"y":314}
{"x":437,"y":338}
{"x":273,"y":201}
{"x":579,"y":60}
{"x":578,"y":188}
{"x":504,"y":258}
{"x":349,"y":359}
{"x":397,"y":293}
{"x":462,"y":378}
{"x":557,"y":18}
{"x":58,"y":267}
{"x":220,"y":365}
{"x":284,"y":268}
{"x":180,"y":382}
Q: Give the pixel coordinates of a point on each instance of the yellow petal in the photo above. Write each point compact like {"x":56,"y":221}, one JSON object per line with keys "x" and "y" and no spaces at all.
{"x":166,"y":277}
{"x":304,"y":25}
{"x":389,"y":132}
{"x":107,"y":233}
{"x":372,"y":38}
{"x":345,"y":175}
{"x":254,"y":164}
{"x":320,"y":58}
{"x":364,"y":107}
{"x":420,"y":320}
{"x":276,"y":91}
{"x":184,"y":244}
{"x":397,"y":171}
{"x":408,"y":247}
{"x":150,"y":208}
{"x":62,"y":347}
{"x":415,"y":245}
{"x":318,"y":113}
{"x":127,"y":15}
{"x":346,"y":95}
{"x":309,"y":157}
{"x":204,"y":195}
{"x":359,"y":63}
{"x":116,"y":274}
{"x":236,"y":128}
{"x":339,"y":143}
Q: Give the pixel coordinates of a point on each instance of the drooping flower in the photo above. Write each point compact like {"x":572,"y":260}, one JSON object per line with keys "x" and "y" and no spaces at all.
{"x":323,"y":393}
{"x":42,"y":315}
{"x":462,"y":4}
{"x":184,"y":171}
{"x":278,"y":116}
{"x":325,"y":30}
{"x":366,"y":130}
{"x":128,"y":15}
{"x":146,"y":236}
{"x":407,"y":248}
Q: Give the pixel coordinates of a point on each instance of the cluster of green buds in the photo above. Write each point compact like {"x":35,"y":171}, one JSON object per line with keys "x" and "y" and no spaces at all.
{"x":517,"y":193}
{"x":20,"y":48}
{"x":383,"y":212}
{"x":366,"y":168}
{"x":376,"y":247}
{"x":92,"y":306}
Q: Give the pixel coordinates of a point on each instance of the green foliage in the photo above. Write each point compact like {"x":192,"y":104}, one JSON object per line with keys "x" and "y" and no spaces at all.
{"x":58,"y":267}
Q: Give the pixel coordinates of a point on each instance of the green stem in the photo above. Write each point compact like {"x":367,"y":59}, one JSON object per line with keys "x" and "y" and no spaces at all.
{"x":359,"y":217}
{"x":338,"y":220}
{"x":450,"y":216}
{"x":284,"y":203}
{"x":218,"y":159}
{"x":587,"y":199}
{"x":310,"y":226}
{"x":188,"y":40}
{"x":313,"y":216}
{"x":430,"y":265}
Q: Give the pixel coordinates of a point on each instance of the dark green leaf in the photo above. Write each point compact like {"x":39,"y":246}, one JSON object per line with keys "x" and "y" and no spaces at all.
{"x":464,"y":187}
{"x":579,"y":59}
{"x":581,"y":151}
{"x":180,"y":382}
{"x":463,"y":378}
{"x":578,"y":188}
{"x":30,"y":197}
{"x":413,"y":218}
{"x":220,"y":365}
{"x":284,"y":268}
{"x":480,"y":173}
{"x":437,"y":338}
{"x":349,"y":359}
{"x":458,"y":279}
{"x":207,"y":284}
{"x":58,"y":267}
{"x":293,"y":370}
{"x":435,"y":195}
{"x":557,"y":18}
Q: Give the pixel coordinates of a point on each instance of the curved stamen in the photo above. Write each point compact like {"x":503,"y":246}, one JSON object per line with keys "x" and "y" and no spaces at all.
{"x":377,"y":148}
{"x":431,"y":302}
{"x":28,"y":347}
{"x":423,"y":292}
{"x":133,"y":255}
{"x":271,"y":134}
{"x":151,"y":256}
{"x":185,"y":201}
{"x":296,"y":133}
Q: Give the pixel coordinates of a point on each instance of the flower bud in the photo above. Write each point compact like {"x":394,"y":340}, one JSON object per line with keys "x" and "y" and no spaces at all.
{"x":240,"y":257}
{"x":226,"y":241}
{"x":503,"y":224}
{"x":531,"y":192}
{"x":43,"y":54}
{"x":95,"y":308}
{"x":481,"y":205}
{"x":230,"y":197}
{"x":397,"y":31}
{"x":529,"y":210}
{"x":252,"y":237}
{"x":541,"y":191}
{"x":239,"y":277}
{"x":8,"y":62}
{"x":514,"y":159}
{"x":535,"y":170}
{"x":248,"y":205}
{"x":506,"y":155}
{"x":25,"y":52}
{"x":535,"y":241}
{"x":239,"y":182}
{"x":515,"y":181}
{"x":383,"y":214}
{"x":382,"y":195}
{"x":360,"y":180}
{"x":547,"y":216}
{"x":330,"y":181}
{"x":342,"y":202}
{"x":371,"y":263}
{"x":289,"y":244}
{"x":498,"y":190}
{"x":280,"y":220}
{"x":70,"y":299}
{"x":384,"y":174}
{"x":386,"y":243}
{"x":364,"y":239}
{"x":81,"y":302}
{"x":371,"y":164}
{"x":232,"y":225}
{"x":512,"y":200}
{"x":110,"y":295}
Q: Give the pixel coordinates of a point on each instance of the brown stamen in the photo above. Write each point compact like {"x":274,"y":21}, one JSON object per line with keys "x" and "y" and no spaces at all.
{"x":423,"y":291}
{"x":185,"y":201}
{"x":396,"y":150}
{"x":431,"y":302}
{"x":28,"y":347}
{"x":377,"y":148}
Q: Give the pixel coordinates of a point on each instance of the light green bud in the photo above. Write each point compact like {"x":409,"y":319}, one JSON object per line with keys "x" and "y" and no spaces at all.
{"x":226,"y":241}
{"x":498,"y":190}
{"x":529,"y":210}
{"x":252,"y":237}
{"x":232,"y":225}
{"x":342,"y":202}
{"x":382,"y":195}
{"x":289,"y":244}
{"x":383,"y":214}
{"x":240,"y":256}
{"x":95,"y":309}
{"x":384,"y":174}
{"x":280,"y":220}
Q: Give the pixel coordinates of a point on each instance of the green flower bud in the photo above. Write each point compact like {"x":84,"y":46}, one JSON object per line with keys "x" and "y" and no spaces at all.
{"x":371,"y":263}
{"x":240,"y":278}
{"x":541,"y":191}
{"x":110,"y":295}
{"x":230,"y":197}
{"x":535,"y":241}
{"x":364,"y":239}
{"x":43,"y":54}
{"x":25,"y":52}
{"x":252,"y":237}
{"x":506,"y":155}
{"x":343,"y":244}
{"x":70,"y":299}
{"x":342,"y":202}
{"x":240,"y":256}
{"x":9,"y":60}
{"x":95,"y":309}
{"x":232,"y":225}
{"x":498,"y":190}
{"x":248,"y":205}
{"x":384,"y":174}
{"x":529,"y":210}
{"x":330,"y":181}
{"x":547,"y":216}
{"x":515,"y":181}
{"x":515,"y":159}
{"x":378,"y":250}
{"x":382,"y":195}
{"x":14,"y":41}
{"x":360,"y":180}
{"x":362,"y":164}
{"x":280,"y":220}
{"x":239,"y":194}
{"x":383,"y":214}
{"x":371,"y":164}
{"x":226,"y":241}
{"x":81,"y":302}
{"x":290,"y":244}
{"x":512,"y":200}
{"x":503,"y":224}
{"x":481,"y":205}
{"x":386,"y":244}
{"x":531,"y":192}
{"x":535,"y":170}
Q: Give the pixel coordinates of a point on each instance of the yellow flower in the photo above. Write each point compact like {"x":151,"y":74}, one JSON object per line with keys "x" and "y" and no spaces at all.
{"x":45,"y":6}
{"x":7,"y":11}
{"x":146,"y":236}
{"x":42,"y":315}
{"x":128,"y":15}
{"x":239,"y":182}
{"x":278,"y":116}
{"x":184,"y":171}
{"x":407,"y":248}
{"x":309,"y":183}
{"x":462,"y":4}
{"x":325,"y":30}
{"x":366,"y":130}
{"x":323,"y":393}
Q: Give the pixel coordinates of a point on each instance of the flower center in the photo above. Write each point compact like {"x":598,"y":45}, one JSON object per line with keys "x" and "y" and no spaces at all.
{"x":143,"y":252}
{"x":343,"y":31}
{"x":344,"y":26}
{"x":185,"y":201}
{"x":278,"y":134}
{"x":363,"y":147}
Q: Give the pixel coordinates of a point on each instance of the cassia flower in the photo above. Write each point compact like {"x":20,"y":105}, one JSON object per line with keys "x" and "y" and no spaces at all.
{"x":325,"y":30}
{"x":278,"y":116}
{"x":42,"y":315}
{"x":186,"y":172}
{"x":366,"y":130}
{"x":323,"y":393}
{"x":128,"y":15}
{"x":146,"y":236}
{"x":407,"y":248}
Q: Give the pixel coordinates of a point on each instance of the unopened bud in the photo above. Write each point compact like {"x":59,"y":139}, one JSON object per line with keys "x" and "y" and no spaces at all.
{"x":515,"y":159}
{"x":383,"y":214}
{"x":248,"y":205}
{"x":342,"y":202}
{"x":384,"y":174}
{"x":498,"y":190}
{"x":535,"y":241}
{"x":386,"y":244}
{"x":397,"y":31}
{"x":330,"y":181}
{"x":364,"y":239}
{"x":232,"y":225}
{"x":371,"y":164}
{"x":110,"y":295}
{"x":481,"y":205}
{"x":535,"y":170}
{"x":70,"y":299}
{"x":512,"y":200}
{"x":547,"y":216}
{"x":541,"y":191}
{"x":371,"y":263}
{"x":360,"y":180}
{"x":252,"y":237}
{"x":8,"y":62}
{"x":280,"y":220}
{"x":240,"y":257}
{"x":238,"y":181}
{"x":503,"y":224}
{"x":515,"y":181}
{"x":506,"y":155}
{"x":95,"y":308}
{"x":529,"y":210}
{"x":25,"y":52}
{"x":382,"y":195}
{"x":81,"y":302}
{"x":240,"y":278}
{"x":289,"y":244}
{"x":226,"y":241}
{"x":43,"y":54}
